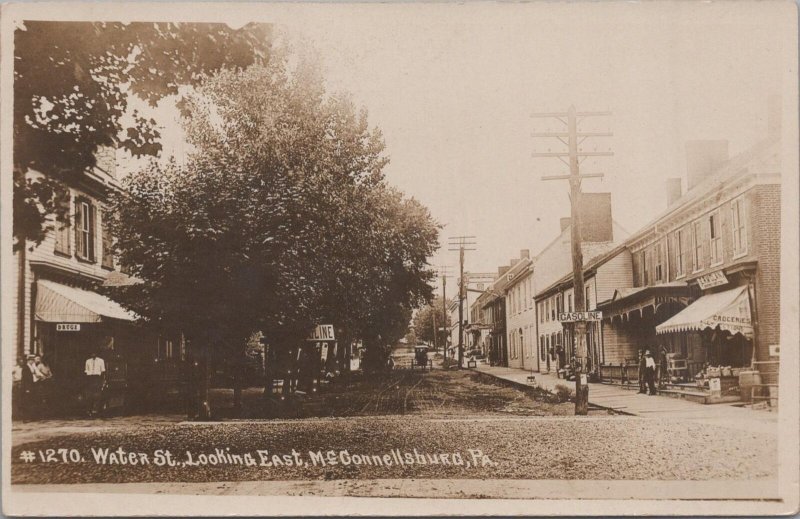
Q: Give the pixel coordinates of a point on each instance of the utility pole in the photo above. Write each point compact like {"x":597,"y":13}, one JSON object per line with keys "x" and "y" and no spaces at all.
{"x":443,"y":273}
{"x":435,"y":342}
{"x":461,"y":243}
{"x":575,"y":156}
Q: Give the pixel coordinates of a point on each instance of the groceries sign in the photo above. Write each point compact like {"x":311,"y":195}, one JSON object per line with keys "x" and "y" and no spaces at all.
{"x":714,"y":279}
{"x":571,"y":317}
{"x":322,"y":332}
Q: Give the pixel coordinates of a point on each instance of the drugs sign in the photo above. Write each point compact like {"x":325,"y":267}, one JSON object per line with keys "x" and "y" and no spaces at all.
{"x":68,"y":327}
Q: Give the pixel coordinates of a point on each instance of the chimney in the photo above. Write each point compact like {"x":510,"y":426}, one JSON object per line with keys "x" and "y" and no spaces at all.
{"x":525,"y":254}
{"x":106,"y":160}
{"x":774,"y":114}
{"x":565,"y":223}
{"x":501,"y":271}
{"x":673,"y":190}
{"x":702,"y":158}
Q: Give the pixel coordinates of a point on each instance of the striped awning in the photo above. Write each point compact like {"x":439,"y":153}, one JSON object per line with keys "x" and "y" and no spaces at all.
{"x":57,"y":303}
{"x":728,"y":310}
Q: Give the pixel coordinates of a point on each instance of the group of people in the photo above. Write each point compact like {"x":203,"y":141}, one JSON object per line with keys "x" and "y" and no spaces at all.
{"x":33,"y":385}
{"x":32,"y":377}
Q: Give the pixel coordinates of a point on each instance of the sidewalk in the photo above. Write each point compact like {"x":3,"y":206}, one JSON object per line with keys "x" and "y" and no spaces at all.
{"x":633,"y":403}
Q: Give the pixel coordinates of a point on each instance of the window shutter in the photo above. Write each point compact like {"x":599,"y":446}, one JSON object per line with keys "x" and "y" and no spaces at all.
{"x":62,"y":231}
{"x":79,"y":245}
{"x":92,"y":231}
{"x":108,"y":255}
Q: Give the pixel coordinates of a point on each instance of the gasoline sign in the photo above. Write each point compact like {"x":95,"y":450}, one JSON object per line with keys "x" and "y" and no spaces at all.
{"x":322,"y":332}
{"x":571,"y":317}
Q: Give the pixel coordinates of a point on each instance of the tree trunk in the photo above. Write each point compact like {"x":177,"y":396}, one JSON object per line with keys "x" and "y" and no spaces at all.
{"x":204,"y":407}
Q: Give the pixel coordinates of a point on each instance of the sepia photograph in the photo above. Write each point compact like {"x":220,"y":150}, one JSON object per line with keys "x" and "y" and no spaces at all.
{"x":475,"y":258}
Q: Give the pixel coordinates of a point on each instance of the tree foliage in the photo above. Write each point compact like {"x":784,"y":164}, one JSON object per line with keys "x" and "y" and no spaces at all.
{"x":72,"y":82}
{"x":280,"y":219}
{"x":427,"y":316}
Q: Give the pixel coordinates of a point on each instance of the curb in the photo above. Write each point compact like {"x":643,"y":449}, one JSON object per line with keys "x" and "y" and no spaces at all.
{"x":532,"y":391}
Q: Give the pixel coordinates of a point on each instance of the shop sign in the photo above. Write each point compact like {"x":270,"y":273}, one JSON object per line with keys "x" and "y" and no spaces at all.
{"x":713,"y":279}
{"x":68,"y":327}
{"x":571,"y":317}
{"x":322,"y":332}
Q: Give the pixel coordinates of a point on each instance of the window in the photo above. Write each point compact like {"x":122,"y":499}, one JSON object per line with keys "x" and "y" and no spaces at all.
{"x":714,"y":239}
{"x":542,"y":349}
{"x":569,"y":302}
{"x":108,"y":251}
{"x":588,"y":304}
{"x":679,"y":267}
{"x":525,"y":296}
{"x":85,"y":217}
{"x":657,"y":267}
{"x":553,"y":310}
{"x":697,"y":245}
{"x":62,"y":230}
{"x":547,"y":310}
{"x":738,"y":228}
{"x":521,"y":348}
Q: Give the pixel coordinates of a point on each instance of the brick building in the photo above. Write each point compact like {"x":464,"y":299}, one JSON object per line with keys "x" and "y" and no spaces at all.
{"x":706,"y":272}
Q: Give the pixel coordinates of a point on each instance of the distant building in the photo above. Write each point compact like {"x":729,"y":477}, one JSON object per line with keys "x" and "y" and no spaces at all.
{"x":520,"y":313}
{"x":552,"y":279}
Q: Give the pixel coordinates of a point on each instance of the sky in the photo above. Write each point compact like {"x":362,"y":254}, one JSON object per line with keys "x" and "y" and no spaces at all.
{"x":452,"y":87}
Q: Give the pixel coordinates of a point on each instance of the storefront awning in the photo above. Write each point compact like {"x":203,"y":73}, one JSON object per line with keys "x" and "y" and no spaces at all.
{"x":63,"y":304}
{"x":728,"y":310}
{"x":626,"y":301}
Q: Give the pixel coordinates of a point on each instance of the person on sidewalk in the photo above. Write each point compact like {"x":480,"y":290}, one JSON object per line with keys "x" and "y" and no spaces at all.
{"x":642,"y":370}
{"x":650,"y":372}
{"x":95,"y":370}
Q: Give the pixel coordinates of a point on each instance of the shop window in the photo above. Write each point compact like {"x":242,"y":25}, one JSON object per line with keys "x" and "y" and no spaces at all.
{"x":679,"y":266}
{"x":62,"y":230}
{"x":697,"y":245}
{"x":738,"y":228}
{"x":714,"y":239}
{"x":85,"y":218}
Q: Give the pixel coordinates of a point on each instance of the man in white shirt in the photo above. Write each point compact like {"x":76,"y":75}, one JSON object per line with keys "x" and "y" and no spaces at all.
{"x":650,"y":372}
{"x":95,"y":370}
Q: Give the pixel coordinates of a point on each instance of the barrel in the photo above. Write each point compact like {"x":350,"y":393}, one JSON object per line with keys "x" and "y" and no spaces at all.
{"x":748,"y":379}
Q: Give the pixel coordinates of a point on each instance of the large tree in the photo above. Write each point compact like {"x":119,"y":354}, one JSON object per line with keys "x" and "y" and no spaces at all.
{"x":72,"y":85}
{"x":279,"y":219}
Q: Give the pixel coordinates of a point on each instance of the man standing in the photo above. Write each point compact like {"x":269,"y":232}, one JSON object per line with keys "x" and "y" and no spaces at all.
{"x":642,"y":372}
{"x":650,"y":372}
{"x":95,"y":370}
